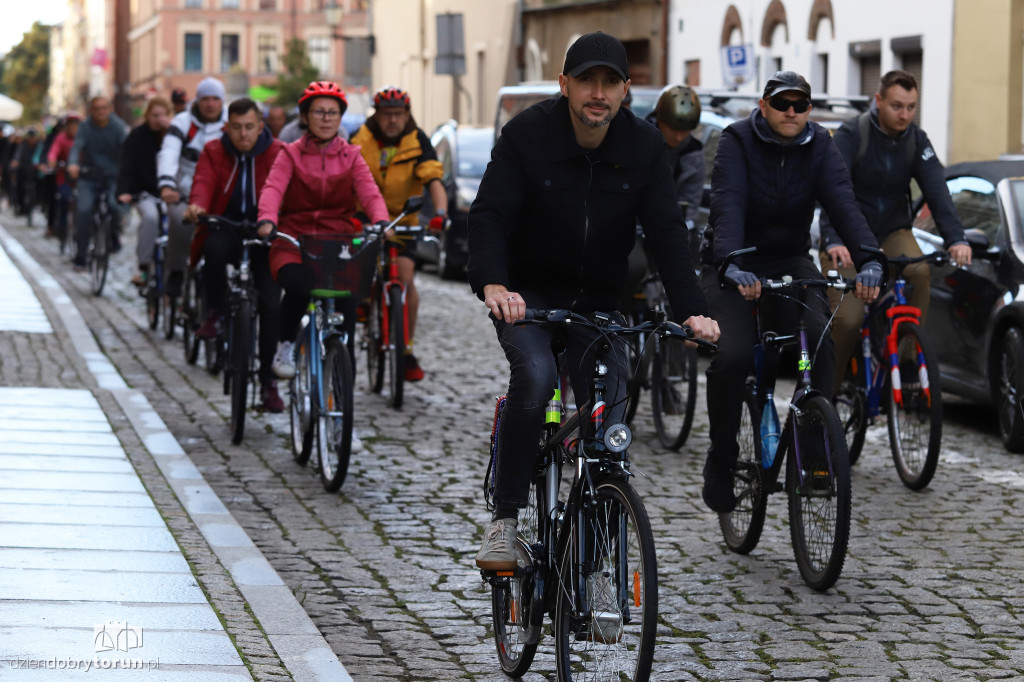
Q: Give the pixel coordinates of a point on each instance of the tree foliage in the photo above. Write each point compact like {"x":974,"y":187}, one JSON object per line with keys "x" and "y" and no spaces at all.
{"x":298,"y":73}
{"x":26,"y":72}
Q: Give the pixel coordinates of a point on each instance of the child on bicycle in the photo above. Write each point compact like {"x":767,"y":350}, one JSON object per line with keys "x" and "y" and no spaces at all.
{"x":312,"y":189}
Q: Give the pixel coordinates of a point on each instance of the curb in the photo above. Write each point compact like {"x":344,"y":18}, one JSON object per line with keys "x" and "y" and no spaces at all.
{"x":296,"y":639}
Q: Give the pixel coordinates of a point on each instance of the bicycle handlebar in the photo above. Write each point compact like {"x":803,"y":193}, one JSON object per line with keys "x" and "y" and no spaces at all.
{"x":606,"y":323}
{"x":248,"y":227}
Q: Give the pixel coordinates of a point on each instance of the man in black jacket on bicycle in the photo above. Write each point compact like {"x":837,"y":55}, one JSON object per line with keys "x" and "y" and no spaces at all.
{"x":551,"y":227}
{"x":769,"y":171}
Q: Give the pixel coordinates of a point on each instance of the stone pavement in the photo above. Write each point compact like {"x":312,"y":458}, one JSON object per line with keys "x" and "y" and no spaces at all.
{"x":91,"y":577}
{"x":932,"y":587}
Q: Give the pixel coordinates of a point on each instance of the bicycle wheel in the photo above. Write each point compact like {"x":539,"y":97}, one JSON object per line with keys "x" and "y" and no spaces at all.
{"x":619,"y":584}
{"x":100,"y":257}
{"x":742,"y":527}
{"x":240,"y":357}
{"x":334,"y":423}
{"x":852,"y":407}
{"x":673,"y":391}
{"x":635,"y":377}
{"x":915,"y":410}
{"x":396,"y":347}
{"x":188,"y":320}
{"x":373,"y":338}
{"x":517,"y":601}
{"x":819,"y":493}
{"x":153,"y":300}
{"x":301,"y":403}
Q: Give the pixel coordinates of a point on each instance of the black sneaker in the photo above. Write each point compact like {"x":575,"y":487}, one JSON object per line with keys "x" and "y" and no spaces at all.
{"x":718,"y":492}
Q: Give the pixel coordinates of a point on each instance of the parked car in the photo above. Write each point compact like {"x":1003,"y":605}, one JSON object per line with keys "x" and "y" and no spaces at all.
{"x":976,"y":318}
{"x":463,"y":152}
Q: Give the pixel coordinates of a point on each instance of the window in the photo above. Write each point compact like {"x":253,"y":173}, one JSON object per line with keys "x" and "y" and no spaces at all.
{"x":266,"y":54}
{"x":268,"y":5}
{"x":691,"y":72}
{"x":319,"y":50}
{"x":229,"y":4}
{"x":357,"y":61}
{"x":193,"y":51}
{"x":228,"y":51}
{"x":193,"y":3}
{"x":975,"y":202}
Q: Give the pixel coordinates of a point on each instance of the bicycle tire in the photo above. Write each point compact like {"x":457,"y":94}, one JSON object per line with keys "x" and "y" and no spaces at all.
{"x":153,"y":301}
{"x":396,"y":347}
{"x":851,"y":405}
{"x":514,"y":615}
{"x":188,"y":325}
{"x":374,"y":335}
{"x":742,"y":527}
{"x":915,"y":425}
{"x":334,"y":423}
{"x":819,"y":511}
{"x":99,"y":260}
{"x":301,"y":403}
{"x":673,"y":391}
{"x":622,"y":592}
{"x":240,"y":358}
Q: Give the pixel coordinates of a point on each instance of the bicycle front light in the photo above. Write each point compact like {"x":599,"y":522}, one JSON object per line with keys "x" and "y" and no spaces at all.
{"x":618,"y":437}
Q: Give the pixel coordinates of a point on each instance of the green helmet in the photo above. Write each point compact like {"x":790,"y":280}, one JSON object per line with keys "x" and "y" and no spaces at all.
{"x":678,"y":108}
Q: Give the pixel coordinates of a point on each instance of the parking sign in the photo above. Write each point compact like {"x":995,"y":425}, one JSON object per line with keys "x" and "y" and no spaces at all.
{"x":737,"y":64}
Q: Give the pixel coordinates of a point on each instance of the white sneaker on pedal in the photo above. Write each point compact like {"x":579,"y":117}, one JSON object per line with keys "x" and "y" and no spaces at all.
{"x":497,"y":554}
{"x":284,"y":362}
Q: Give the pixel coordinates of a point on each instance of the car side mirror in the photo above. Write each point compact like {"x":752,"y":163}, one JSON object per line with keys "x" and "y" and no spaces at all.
{"x":413,"y":204}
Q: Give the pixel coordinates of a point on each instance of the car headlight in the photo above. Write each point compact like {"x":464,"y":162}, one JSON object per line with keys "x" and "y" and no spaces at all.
{"x":617,"y":437}
{"x":464,"y":198}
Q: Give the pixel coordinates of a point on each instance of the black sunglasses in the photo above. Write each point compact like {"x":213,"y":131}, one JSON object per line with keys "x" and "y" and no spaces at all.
{"x":780,"y":103}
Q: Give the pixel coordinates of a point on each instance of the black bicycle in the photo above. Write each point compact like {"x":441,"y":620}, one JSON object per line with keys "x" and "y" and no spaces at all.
{"x":590,"y":560}
{"x":159,"y":307}
{"x":101,"y":228}
{"x":812,"y":444}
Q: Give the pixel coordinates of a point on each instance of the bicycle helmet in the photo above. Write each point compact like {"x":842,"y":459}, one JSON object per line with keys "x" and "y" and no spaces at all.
{"x":322,"y":89}
{"x":72,"y":116}
{"x":391,"y":96}
{"x":678,"y":108}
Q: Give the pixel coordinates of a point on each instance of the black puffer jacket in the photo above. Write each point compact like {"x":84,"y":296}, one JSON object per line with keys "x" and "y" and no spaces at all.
{"x":763,"y":194}
{"x":881,"y":180}
{"x":556,"y":222}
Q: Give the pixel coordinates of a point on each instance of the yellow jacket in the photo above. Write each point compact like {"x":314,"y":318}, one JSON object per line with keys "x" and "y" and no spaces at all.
{"x":413,"y":166}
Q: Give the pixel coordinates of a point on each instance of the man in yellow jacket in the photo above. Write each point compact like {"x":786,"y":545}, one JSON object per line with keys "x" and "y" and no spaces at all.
{"x":403,"y":162}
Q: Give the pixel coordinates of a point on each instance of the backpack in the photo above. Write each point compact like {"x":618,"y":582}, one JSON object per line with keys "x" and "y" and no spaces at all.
{"x":864,"y":124}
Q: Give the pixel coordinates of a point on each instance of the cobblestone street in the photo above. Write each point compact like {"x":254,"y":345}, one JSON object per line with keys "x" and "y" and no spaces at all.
{"x":932,"y":589}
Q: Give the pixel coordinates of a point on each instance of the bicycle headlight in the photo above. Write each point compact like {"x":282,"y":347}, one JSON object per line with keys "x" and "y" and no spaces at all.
{"x":617,"y":437}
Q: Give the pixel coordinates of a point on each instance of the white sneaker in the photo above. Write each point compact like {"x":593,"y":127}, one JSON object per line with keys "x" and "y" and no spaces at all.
{"x":357,"y":442}
{"x":284,"y":362}
{"x":497,"y":552}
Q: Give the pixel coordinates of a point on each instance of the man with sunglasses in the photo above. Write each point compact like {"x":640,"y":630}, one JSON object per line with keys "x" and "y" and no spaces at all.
{"x":884,"y":151}
{"x":770,"y":170}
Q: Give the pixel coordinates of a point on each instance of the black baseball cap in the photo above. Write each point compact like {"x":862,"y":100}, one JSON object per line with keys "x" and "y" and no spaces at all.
{"x":178,"y":96}
{"x":786,"y":81}
{"x":596,"y":49}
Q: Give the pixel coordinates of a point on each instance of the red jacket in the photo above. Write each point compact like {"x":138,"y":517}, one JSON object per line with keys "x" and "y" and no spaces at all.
{"x":217,"y":174}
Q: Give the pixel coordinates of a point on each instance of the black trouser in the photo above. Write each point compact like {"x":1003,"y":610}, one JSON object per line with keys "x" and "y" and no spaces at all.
{"x":297,"y":281}
{"x":223,"y":247}
{"x":531,"y":385}
{"x":734,"y":360}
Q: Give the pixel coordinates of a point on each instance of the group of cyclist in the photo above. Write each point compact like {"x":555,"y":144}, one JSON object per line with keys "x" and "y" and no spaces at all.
{"x":202,"y":157}
{"x":554,"y":222}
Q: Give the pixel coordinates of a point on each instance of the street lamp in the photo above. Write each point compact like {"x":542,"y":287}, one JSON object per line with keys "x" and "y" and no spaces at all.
{"x":332,"y":16}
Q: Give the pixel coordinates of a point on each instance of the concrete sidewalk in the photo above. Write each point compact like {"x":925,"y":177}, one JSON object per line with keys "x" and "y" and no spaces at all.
{"x":91,"y":576}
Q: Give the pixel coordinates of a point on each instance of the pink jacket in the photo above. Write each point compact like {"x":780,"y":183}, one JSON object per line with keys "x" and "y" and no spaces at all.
{"x":59,"y":151}
{"x":312,"y":189}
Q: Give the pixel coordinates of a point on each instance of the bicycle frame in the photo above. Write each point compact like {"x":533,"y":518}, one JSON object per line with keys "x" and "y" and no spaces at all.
{"x":389,"y":279}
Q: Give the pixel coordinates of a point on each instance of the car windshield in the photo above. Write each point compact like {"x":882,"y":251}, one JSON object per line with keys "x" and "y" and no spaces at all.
{"x":474,"y":151}
{"x":975,"y":201}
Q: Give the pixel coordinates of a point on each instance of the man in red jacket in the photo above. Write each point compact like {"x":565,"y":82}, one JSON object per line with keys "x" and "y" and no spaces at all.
{"x":229,"y":176}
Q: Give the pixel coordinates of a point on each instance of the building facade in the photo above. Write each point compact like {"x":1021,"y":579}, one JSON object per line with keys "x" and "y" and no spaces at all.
{"x":960,"y":50}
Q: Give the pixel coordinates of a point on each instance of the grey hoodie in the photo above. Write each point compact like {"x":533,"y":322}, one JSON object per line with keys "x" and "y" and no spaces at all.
{"x":99,"y":148}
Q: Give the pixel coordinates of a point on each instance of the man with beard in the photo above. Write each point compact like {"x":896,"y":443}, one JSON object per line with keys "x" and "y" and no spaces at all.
{"x":551,"y":227}
{"x":403,"y":162}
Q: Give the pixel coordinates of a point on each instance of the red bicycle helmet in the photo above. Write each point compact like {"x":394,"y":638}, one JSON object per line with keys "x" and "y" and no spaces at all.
{"x":322,"y":89}
{"x":391,"y":96}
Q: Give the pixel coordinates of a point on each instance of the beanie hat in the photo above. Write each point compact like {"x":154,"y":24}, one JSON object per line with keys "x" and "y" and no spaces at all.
{"x":210,"y":87}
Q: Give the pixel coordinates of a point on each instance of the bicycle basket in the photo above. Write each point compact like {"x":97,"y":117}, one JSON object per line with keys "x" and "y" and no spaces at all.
{"x":341,"y":262}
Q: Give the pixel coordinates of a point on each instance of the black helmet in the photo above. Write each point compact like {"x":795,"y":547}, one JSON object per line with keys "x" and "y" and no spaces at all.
{"x":678,"y":108}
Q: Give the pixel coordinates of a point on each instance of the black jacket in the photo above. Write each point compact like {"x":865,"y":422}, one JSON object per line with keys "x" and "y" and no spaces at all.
{"x":556,"y":222}
{"x":881,"y":181}
{"x":763,"y":194}
{"x":138,"y":162}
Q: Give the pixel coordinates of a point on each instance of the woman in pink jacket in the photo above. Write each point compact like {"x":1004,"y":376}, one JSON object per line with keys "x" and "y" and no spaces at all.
{"x":313,"y":188}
